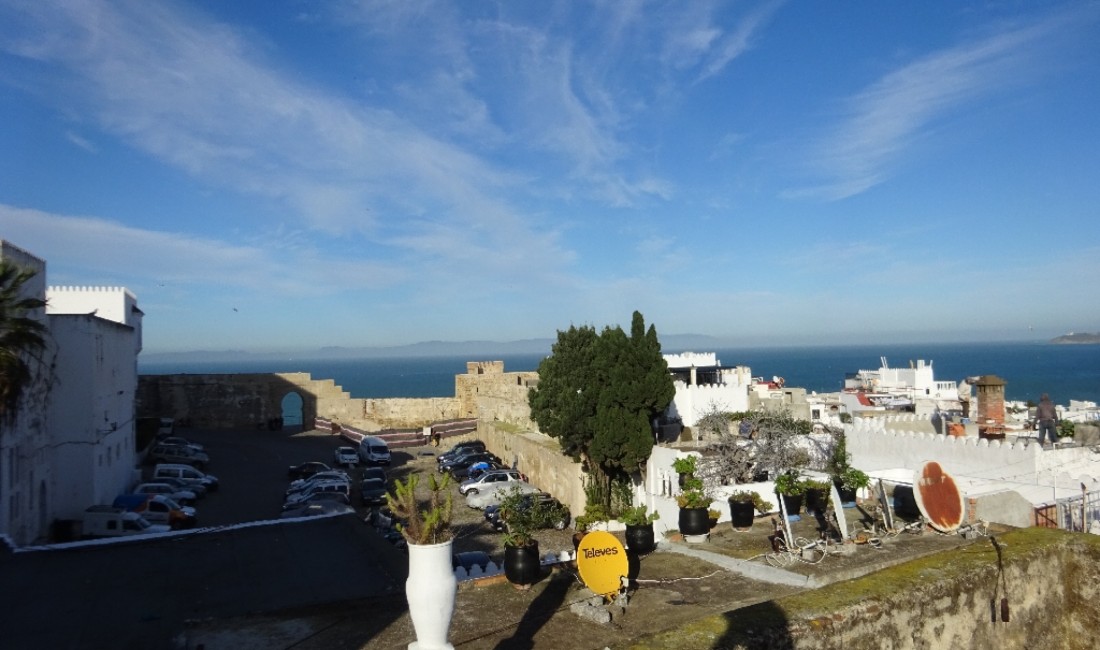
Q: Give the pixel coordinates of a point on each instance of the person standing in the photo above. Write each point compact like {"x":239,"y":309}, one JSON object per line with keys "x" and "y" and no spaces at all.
{"x":1046,"y":419}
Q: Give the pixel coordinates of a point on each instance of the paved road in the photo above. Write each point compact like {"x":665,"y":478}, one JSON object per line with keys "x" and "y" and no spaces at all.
{"x":139,"y":594}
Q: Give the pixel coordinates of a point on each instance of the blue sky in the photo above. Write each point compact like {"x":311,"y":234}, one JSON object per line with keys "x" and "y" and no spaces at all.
{"x":268,"y":175}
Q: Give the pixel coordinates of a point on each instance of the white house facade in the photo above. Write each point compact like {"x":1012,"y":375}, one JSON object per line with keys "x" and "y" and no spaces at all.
{"x":25,"y":449}
{"x":70,"y":443}
{"x":703,"y":385}
{"x":91,"y":415}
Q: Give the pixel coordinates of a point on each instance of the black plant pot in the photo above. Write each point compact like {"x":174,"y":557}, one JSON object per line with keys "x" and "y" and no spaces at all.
{"x":639,"y":539}
{"x":522,"y":564}
{"x":793,"y":503}
{"x":815,"y":501}
{"x":846,"y":495}
{"x":741,"y":514}
{"x":694,"y":521}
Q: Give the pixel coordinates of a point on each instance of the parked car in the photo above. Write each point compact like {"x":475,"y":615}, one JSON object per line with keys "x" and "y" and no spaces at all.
{"x":109,"y":521}
{"x":374,"y":472}
{"x":180,"y":495}
{"x":374,"y":451}
{"x":372,"y":492}
{"x":306,"y":470}
{"x":468,"y":446}
{"x":464,"y":462}
{"x":198,"y":488}
{"x":492,"y":496}
{"x":321,"y":497}
{"x":346,"y":456}
{"x":317,"y":510}
{"x":476,"y":470}
{"x":186,"y":473}
{"x":182,"y":442}
{"x":318,"y":488}
{"x":490,"y":479}
{"x":331,"y":475}
{"x":158,"y":509}
{"x":552,"y":514}
{"x":162,"y":453}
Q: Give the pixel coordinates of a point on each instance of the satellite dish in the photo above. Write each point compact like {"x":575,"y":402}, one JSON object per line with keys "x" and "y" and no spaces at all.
{"x":602,"y":562}
{"x":938,"y":497}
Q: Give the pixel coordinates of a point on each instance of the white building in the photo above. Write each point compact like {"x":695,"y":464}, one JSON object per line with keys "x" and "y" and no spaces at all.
{"x":71,"y":442}
{"x":703,"y":385}
{"x":25,"y":454}
{"x":914,"y":388}
{"x":91,"y":415}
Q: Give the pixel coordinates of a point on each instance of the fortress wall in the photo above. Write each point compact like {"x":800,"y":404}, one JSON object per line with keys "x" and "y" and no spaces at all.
{"x":229,"y":401}
{"x":402,"y":413}
{"x":496,"y":396}
{"x":537,"y":454}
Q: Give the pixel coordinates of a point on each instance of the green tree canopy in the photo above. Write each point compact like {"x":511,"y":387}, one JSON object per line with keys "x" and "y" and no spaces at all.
{"x":22,"y":338}
{"x":598,"y":394}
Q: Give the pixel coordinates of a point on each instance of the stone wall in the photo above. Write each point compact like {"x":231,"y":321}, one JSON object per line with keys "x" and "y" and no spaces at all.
{"x":1048,"y":580}
{"x":537,"y":454}
{"x":487,"y":392}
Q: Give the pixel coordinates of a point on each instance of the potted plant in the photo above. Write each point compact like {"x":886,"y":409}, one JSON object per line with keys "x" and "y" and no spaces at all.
{"x":593,"y":514}
{"x":431,"y":585}
{"x":694,"y":502}
{"x":713,"y":515}
{"x":791,"y":488}
{"x":743,"y":503}
{"x":849,"y":482}
{"x":685,"y":467}
{"x":817,"y":495}
{"x":522,"y":564}
{"x":639,"y":529}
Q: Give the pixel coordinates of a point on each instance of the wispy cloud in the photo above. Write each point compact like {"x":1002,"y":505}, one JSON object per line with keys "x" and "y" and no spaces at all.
{"x":199,"y":97}
{"x":95,"y":251}
{"x":881,"y":122}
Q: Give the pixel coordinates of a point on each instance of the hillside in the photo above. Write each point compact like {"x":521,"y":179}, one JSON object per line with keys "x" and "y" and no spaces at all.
{"x":1076,"y":338}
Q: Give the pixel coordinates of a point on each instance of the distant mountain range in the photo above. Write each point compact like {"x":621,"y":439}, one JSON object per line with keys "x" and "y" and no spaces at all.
{"x":1076,"y":338}
{"x":468,"y":349}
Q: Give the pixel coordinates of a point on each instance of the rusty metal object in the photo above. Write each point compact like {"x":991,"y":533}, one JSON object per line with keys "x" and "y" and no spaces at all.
{"x":938,"y":497}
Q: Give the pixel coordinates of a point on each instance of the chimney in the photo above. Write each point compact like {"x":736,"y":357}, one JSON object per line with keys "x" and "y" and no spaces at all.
{"x":991,"y":407}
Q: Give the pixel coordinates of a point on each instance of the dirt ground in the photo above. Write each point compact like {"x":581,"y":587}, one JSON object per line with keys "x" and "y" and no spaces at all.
{"x":671,"y":590}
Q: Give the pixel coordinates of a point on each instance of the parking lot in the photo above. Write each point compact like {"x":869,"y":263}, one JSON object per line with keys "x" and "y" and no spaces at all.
{"x":251,"y":467}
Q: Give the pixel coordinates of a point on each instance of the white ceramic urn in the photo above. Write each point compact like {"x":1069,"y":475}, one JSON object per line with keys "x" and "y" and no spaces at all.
{"x":430,"y":591}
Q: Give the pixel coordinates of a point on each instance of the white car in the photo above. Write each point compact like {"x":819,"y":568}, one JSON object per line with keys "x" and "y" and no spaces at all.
{"x":490,"y":479}
{"x":346,"y":456}
{"x":494,"y":495}
{"x":318,"y":488}
{"x":319,"y":477}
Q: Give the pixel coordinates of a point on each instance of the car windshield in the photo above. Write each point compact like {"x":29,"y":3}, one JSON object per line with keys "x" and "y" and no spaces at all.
{"x":379,"y":449}
{"x":374,"y":484}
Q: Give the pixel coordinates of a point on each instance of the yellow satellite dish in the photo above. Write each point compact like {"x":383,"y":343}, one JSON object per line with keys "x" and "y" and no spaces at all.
{"x":602,"y":562}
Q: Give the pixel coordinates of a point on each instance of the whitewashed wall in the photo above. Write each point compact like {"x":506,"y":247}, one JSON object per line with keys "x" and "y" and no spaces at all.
{"x":91,"y":413}
{"x":1018,"y":465}
{"x":25,"y":467}
{"x":693,"y":402}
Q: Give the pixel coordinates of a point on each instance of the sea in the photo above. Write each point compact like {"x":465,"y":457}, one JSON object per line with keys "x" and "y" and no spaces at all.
{"x":1066,"y":372}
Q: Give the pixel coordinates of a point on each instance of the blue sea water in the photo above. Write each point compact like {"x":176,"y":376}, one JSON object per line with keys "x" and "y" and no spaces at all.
{"x":1029,"y":369}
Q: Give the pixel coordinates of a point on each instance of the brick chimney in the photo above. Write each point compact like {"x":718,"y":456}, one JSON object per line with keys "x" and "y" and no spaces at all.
{"x":991,"y":406}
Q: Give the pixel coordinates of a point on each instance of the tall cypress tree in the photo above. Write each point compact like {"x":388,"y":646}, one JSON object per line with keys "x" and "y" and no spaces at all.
{"x":599,"y":395}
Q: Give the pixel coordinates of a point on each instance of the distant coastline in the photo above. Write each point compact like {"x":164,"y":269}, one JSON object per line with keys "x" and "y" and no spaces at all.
{"x":1076,"y":338}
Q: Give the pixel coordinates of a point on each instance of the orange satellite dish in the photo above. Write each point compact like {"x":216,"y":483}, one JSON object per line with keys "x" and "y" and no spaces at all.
{"x":938,"y":497}
{"x":602,"y":562}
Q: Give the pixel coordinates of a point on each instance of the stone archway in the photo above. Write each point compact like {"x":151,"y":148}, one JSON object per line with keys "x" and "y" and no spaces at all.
{"x":292,"y":410}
